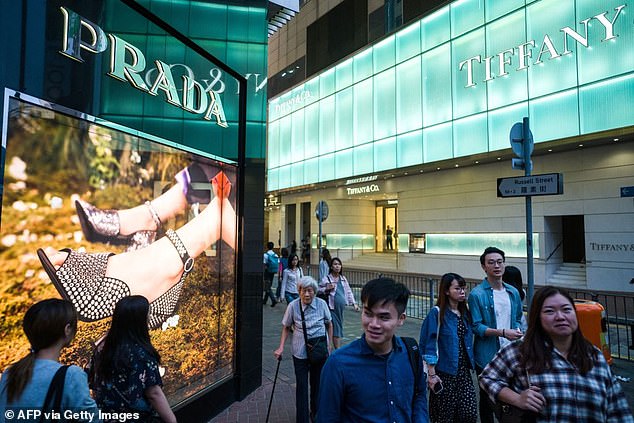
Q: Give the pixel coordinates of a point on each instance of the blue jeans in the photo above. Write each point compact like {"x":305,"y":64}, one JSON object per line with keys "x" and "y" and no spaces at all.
{"x":289,"y":296}
{"x":302,"y":372}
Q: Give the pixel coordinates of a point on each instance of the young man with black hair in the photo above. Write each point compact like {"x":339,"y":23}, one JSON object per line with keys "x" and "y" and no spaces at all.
{"x":372,"y":379}
{"x":496,"y":315}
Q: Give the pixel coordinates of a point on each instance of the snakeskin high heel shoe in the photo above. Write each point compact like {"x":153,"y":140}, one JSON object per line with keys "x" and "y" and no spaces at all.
{"x":103,"y":226}
{"x":82,"y":280}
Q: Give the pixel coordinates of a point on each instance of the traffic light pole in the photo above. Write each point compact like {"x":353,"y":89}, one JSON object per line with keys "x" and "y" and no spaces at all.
{"x":528,"y":167}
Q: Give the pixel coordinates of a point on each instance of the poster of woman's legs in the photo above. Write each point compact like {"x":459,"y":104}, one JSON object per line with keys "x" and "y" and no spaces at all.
{"x":92,"y":214}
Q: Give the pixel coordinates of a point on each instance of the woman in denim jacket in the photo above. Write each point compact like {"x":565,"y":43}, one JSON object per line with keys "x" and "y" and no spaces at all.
{"x":449,"y":357}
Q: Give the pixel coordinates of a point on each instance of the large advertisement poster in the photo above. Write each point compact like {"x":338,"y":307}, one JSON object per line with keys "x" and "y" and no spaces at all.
{"x":74,"y":185}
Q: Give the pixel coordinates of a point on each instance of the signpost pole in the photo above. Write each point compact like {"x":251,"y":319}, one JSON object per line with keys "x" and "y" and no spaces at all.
{"x":321,"y":219}
{"x":528,"y":167}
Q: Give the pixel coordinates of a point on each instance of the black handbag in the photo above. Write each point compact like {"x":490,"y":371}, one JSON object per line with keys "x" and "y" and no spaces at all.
{"x":325,"y":293}
{"x":317,"y":347}
{"x":507,"y":413}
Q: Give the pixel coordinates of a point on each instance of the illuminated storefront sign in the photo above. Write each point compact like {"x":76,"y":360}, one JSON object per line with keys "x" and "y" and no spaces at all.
{"x":362,"y":179}
{"x":365,"y":189}
{"x":196,"y":98}
{"x":287,"y":106}
{"x":524,"y":52}
{"x":402,"y":102}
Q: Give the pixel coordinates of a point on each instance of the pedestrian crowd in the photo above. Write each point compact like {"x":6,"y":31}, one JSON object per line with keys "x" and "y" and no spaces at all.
{"x":539,"y":369}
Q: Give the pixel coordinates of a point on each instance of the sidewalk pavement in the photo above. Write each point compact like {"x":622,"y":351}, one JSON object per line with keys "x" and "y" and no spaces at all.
{"x":253,"y":408}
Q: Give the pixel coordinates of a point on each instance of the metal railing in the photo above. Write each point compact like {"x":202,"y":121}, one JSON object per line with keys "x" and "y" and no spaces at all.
{"x":619,"y":306}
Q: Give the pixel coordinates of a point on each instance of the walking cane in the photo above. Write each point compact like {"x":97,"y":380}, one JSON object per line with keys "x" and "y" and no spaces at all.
{"x":279,"y":361}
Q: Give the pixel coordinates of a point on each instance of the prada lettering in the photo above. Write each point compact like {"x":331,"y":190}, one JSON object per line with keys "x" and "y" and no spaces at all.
{"x":196,"y":98}
{"x":363,"y":190}
{"x":535,"y":52}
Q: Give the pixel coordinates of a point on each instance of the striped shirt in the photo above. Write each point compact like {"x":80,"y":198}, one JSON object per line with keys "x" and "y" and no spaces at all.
{"x":570,"y":396}
{"x":316,"y":314}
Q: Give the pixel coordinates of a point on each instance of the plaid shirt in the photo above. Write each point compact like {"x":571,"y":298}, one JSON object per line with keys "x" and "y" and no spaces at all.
{"x":570,"y":396}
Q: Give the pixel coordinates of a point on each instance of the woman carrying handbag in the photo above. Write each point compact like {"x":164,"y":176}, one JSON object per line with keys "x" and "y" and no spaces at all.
{"x":446,"y":342}
{"x":554,"y":373}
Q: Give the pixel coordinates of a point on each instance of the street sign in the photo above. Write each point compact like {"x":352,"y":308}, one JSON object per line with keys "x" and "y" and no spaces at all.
{"x":627,"y":191}
{"x":524,"y":186}
{"x":321,"y":211}
{"x":522,"y":145}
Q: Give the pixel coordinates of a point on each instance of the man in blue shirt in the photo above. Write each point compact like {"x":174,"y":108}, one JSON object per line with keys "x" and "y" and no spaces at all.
{"x":496,"y":316}
{"x":371,"y":379}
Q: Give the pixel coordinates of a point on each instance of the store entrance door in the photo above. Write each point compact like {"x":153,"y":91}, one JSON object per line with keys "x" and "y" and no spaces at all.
{"x":574,"y":241}
{"x":386,"y":218}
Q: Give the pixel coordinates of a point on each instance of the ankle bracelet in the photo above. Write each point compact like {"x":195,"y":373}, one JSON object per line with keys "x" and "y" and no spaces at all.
{"x":155,"y":216}
{"x":188,"y":262}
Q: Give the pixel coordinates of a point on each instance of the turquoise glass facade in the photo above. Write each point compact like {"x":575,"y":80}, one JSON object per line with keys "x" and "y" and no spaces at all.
{"x":235,"y":35}
{"x":453,"y":83}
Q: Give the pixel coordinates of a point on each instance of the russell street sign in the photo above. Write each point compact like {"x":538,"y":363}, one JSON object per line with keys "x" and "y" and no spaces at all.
{"x":522,"y":186}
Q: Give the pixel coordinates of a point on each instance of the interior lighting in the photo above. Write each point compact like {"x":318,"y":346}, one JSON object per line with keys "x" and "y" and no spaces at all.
{"x":437,"y":168}
{"x":457,"y":165}
{"x":499,"y":158}
{"x":615,"y":139}
{"x":550,"y":150}
{"x":477,"y":162}
{"x":580,"y":145}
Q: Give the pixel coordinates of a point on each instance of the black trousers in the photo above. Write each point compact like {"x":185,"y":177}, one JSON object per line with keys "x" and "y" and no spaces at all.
{"x":485,"y":406}
{"x":268,"y":287}
{"x":304,"y":371}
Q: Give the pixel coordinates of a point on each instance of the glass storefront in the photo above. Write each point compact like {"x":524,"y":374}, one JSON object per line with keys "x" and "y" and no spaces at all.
{"x":452,"y":85}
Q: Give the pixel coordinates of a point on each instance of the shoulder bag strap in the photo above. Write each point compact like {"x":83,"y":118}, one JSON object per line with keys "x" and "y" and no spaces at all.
{"x":53,"y":400}
{"x":301,"y":312}
{"x":437,"y":329}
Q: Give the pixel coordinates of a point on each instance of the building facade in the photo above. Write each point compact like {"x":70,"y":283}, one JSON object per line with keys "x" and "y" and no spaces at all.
{"x":109,"y":102}
{"x":411,"y":131}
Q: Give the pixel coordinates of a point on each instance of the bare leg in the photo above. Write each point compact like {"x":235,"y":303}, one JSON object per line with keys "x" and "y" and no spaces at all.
{"x":336,"y":341}
{"x":139,"y":218}
{"x":139,"y":269}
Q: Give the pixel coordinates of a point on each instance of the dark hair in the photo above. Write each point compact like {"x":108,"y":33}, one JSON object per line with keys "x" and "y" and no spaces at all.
{"x":443,"y":302}
{"x":284,"y":252}
{"x":385,"y":290}
{"x":129,"y":326}
{"x":270,"y":245}
{"x":290,"y":261}
{"x":325,"y":254}
{"x":536,"y":349}
{"x":491,"y":250}
{"x":340,"y":262}
{"x":44,"y":324}
{"x":513,"y":277}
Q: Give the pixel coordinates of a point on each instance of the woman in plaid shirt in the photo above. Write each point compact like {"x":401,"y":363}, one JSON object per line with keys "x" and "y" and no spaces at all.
{"x":554,"y":371}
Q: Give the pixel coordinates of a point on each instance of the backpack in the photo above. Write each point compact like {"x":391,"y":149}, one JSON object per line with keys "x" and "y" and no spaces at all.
{"x":414,"y":356}
{"x":272,"y":262}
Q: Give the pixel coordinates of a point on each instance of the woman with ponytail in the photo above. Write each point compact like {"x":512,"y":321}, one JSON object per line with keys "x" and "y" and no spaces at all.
{"x":50,"y":325}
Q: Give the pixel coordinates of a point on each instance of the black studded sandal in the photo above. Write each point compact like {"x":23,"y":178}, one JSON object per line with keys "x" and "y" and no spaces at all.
{"x":164,"y":306}
{"x":81,"y":280}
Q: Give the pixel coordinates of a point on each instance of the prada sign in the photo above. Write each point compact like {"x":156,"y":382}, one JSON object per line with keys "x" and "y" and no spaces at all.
{"x":522,"y":55}
{"x":195,"y":98}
